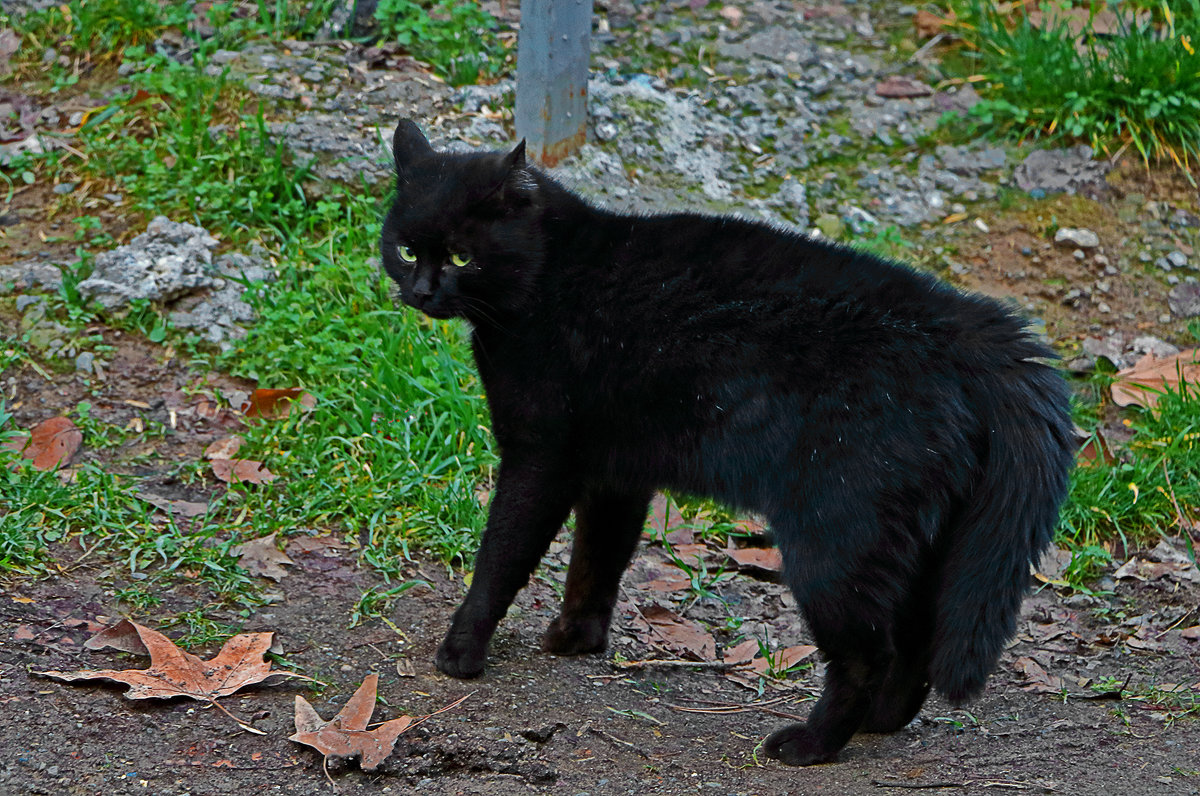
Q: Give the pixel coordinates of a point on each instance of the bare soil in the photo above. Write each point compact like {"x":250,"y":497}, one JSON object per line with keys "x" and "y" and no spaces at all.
{"x":535,"y":723}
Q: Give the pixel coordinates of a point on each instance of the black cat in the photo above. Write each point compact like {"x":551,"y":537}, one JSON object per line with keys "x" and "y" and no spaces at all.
{"x":904,"y":440}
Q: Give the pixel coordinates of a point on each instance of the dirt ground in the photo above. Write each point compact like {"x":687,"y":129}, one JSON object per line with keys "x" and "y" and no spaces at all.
{"x":1097,"y":695}
{"x":535,"y":723}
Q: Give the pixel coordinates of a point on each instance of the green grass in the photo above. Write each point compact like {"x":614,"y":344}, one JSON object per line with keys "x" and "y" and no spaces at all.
{"x":458,"y":39}
{"x":1139,"y":88}
{"x":1153,"y":485}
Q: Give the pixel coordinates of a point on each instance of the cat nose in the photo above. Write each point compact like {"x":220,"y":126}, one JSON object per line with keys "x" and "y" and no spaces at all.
{"x":423,"y":287}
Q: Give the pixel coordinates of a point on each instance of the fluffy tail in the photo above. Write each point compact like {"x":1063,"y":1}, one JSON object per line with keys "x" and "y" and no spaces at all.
{"x":1005,"y":526}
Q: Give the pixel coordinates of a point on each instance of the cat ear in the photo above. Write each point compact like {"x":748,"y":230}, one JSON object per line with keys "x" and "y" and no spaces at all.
{"x":516,"y":158}
{"x":409,"y":143}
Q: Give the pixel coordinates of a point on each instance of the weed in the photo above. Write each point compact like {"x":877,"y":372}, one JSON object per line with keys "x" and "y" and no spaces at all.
{"x":375,"y":602}
{"x":1138,"y":87}
{"x":457,"y":39}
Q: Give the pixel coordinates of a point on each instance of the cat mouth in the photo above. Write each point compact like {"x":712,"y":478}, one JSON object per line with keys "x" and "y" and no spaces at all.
{"x":430,"y":307}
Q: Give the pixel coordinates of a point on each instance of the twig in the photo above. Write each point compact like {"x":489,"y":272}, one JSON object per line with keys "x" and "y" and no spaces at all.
{"x":239,"y":722}
{"x":673,"y":663}
{"x":614,"y":739}
{"x":929,"y":45}
{"x":982,"y":783}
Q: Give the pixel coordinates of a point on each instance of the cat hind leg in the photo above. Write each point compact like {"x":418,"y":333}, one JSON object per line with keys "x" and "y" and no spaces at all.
{"x":608,"y":525}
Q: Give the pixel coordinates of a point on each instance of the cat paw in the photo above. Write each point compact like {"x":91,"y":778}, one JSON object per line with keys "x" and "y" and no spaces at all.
{"x":460,"y":659}
{"x":575,"y":636}
{"x":796,"y":745}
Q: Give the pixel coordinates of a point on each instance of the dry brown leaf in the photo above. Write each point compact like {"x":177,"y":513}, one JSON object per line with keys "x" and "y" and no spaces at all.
{"x":741,"y":653}
{"x":666,"y":584}
{"x":900,"y":87}
{"x":262,"y":557}
{"x":1037,"y":679}
{"x":780,"y":661}
{"x":224,"y":448}
{"x":123,"y":636}
{"x":175,"y":673}
{"x":664,"y":516}
{"x":276,"y":404}
{"x":928,"y":24}
{"x":664,"y":627}
{"x":51,"y":444}
{"x":1150,"y":376}
{"x":1191,"y":633}
{"x":232,"y":471}
{"x":346,"y":734}
{"x":764,"y":558}
{"x":184,"y":508}
{"x":328,"y":545}
{"x":691,"y":555}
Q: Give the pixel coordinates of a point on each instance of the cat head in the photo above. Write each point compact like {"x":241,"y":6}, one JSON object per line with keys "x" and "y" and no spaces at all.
{"x":463,"y":236}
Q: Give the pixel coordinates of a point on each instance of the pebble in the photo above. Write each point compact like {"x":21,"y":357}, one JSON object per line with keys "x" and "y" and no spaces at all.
{"x":1177,"y":259}
{"x":84,"y":362}
{"x":1080,"y":238}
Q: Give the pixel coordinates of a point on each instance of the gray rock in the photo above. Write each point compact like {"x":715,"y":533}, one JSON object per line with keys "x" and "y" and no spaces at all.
{"x":1184,"y":300}
{"x":220,"y":315}
{"x":778,"y":43}
{"x":84,"y":362}
{"x":1071,"y":171}
{"x":1081,"y":238}
{"x":165,"y":262}
{"x":1177,"y":258}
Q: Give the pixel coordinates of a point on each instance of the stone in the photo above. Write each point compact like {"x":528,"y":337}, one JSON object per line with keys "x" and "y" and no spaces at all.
{"x":1177,"y":258}
{"x":168,"y":260}
{"x":1078,"y":238}
{"x":1072,"y":171}
{"x":1184,"y":300}
{"x":84,"y":362}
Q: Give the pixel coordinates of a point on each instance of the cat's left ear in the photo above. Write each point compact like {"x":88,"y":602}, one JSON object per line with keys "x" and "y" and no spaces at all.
{"x":516,"y":158}
{"x":409,"y":143}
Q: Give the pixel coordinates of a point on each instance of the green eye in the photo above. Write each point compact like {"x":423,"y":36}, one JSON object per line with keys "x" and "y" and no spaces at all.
{"x":406,"y":254}
{"x":460,"y":259}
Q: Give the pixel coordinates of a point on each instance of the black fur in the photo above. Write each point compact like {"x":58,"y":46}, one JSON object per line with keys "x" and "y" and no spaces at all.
{"x":907,"y":446}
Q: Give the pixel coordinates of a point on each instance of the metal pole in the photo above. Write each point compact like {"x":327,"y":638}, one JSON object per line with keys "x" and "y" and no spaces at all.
{"x":552,"y":69}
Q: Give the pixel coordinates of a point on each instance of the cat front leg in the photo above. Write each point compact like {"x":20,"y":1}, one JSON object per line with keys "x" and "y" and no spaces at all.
{"x":530,"y":503}
{"x":608,"y":524}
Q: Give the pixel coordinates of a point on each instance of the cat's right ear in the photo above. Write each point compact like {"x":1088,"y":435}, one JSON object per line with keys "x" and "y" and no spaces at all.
{"x":409,"y":143}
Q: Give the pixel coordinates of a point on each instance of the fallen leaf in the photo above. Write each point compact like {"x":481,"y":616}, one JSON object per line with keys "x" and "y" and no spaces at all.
{"x":928,"y":24}
{"x":1144,"y":383}
{"x":231,"y":471}
{"x":276,"y":404}
{"x":666,"y":584}
{"x":1053,"y":564}
{"x":346,"y":734}
{"x":900,"y":87}
{"x":690,"y":555}
{"x":664,"y":516}
{"x":184,"y":508}
{"x":741,"y":653}
{"x":780,"y":661}
{"x":262,"y":557}
{"x":1037,"y":679}
{"x":175,"y":673}
{"x":663,"y":626}
{"x":764,"y":558}
{"x":328,"y":545}
{"x":1093,"y":448}
{"x":732,"y":14}
{"x":51,"y":444}
{"x":1191,"y":633}
{"x":122,"y":636}
{"x":224,"y":448}
{"x":24,"y":633}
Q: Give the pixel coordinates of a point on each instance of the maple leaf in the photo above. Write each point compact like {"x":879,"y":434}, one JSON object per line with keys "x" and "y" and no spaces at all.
{"x":276,"y":404}
{"x":1144,"y":383}
{"x":175,"y":673}
{"x":658,"y":625}
{"x":346,"y":734}
{"x":51,"y":443}
{"x":262,"y":557}
{"x":767,"y":559}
